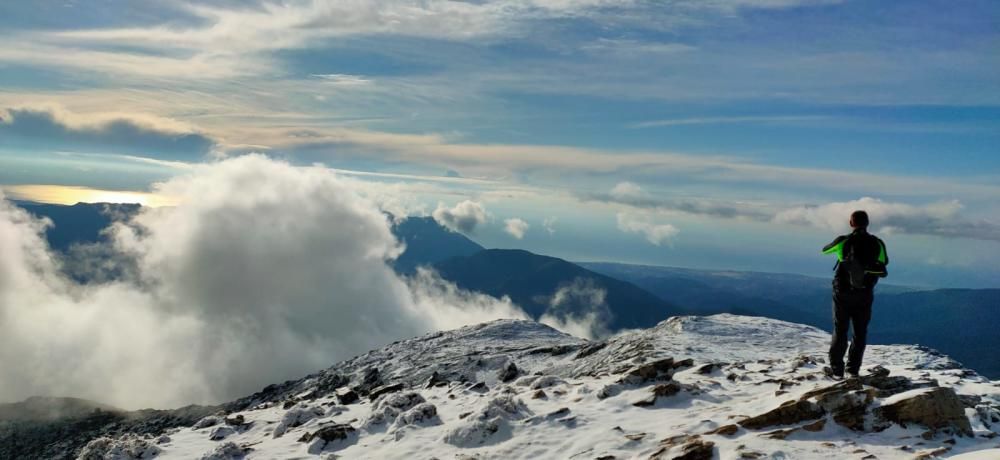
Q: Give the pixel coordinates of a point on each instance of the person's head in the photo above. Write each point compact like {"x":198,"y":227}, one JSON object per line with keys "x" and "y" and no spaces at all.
{"x":859,"y":219}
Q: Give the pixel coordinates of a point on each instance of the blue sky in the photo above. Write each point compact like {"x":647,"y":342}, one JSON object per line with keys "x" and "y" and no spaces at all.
{"x":715,"y":133}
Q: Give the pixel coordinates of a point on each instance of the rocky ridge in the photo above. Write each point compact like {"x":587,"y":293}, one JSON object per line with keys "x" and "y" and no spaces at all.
{"x":723,"y":386}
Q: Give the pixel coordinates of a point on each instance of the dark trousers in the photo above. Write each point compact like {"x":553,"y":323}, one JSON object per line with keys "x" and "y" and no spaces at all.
{"x":850,"y":308}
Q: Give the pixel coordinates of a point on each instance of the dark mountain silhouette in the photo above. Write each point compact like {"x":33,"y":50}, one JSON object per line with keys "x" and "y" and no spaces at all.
{"x":428,"y":242}
{"x":80,"y":223}
{"x":531,"y":281}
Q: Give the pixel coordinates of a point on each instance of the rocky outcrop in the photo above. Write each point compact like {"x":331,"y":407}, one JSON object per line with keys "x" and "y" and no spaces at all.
{"x":936,"y":408}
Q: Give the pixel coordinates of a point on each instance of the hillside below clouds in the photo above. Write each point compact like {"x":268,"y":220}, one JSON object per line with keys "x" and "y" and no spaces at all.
{"x":717,"y":387}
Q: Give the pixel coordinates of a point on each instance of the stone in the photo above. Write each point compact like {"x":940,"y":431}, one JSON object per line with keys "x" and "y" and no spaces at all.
{"x":436,"y":380}
{"x":725,"y":430}
{"x":815,"y":426}
{"x":660,"y":369}
{"x":938,"y":409}
{"x":508,"y":373}
{"x":386,"y":389}
{"x":788,"y":413}
{"x":340,"y":431}
{"x":539,"y":394}
{"x":347,"y":396}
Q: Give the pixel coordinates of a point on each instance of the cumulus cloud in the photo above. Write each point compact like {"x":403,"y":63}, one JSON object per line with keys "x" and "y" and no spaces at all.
{"x":579,"y":308}
{"x":655,"y":233}
{"x":515,"y":227}
{"x":136,"y":134}
{"x":464,"y":217}
{"x":625,"y":191}
{"x":937,"y":219}
{"x":262,"y":272}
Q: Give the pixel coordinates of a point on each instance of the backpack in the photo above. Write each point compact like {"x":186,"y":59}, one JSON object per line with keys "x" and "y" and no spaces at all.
{"x":863,"y":270}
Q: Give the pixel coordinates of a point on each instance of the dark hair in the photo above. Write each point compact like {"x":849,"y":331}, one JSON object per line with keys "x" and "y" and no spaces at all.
{"x":859,"y":219}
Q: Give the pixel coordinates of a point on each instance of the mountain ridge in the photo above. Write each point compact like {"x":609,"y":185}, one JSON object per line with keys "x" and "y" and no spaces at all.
{"x":731,"y":385}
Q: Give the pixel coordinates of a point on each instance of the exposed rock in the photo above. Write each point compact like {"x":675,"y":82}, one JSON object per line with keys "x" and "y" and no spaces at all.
{"x":815,"y":426}
{"x":660,"y":369}
{"x":590,"y":349}
{"x":331,"y":437}
{"x":221,"y":432}
{"x":479,"y":387}
{"x":708,"y":369}
{"x":129,"y":447}
{"x":375,"y":393}
{"x":347,"y":396}
{"x":237,"y":420}
{"x":780,"y":434}
{"x":663,"y":390}
{"x":725,"y":430}
{"x":788,"y":413}
{"x":539,"y":394}
{"x":508,"y":373}
{"x":207,"y":422}
{"x":691,"y":448}
{"x":226,"y":451}
{"x":436,"y":380}
{"x":937,"y":408}
{"x":330,"y":433}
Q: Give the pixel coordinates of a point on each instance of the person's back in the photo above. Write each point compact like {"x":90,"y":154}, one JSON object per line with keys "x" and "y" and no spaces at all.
{"x":861,"y":261}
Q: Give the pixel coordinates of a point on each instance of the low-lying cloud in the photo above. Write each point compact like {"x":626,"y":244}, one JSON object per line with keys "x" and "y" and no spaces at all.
{"x":464,"y":217}
{"x":262,"y":272}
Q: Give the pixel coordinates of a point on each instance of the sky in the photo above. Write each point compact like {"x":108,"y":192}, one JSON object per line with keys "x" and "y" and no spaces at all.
{"x":717,"y":134}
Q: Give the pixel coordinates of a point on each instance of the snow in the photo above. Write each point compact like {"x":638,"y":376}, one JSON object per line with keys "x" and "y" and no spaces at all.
{"x":573,"y":401}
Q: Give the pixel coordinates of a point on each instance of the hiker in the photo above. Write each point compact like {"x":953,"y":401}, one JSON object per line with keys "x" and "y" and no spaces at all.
{"x":861,"y":261}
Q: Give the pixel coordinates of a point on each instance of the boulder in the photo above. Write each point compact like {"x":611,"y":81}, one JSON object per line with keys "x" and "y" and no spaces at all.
{"x":508,"y":373}
{"x":383,"y":390}
{"x":788,"y":413}
{"x":937,"y":408}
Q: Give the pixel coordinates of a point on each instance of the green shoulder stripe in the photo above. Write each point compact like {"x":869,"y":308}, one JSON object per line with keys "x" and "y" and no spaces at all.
{"x":838,"y":249}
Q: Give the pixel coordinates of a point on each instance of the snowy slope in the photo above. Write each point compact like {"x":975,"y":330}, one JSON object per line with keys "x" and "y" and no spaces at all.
{"x":723,"y":387}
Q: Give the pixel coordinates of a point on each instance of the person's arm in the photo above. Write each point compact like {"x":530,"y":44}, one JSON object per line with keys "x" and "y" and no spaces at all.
{"x":836,"y":247}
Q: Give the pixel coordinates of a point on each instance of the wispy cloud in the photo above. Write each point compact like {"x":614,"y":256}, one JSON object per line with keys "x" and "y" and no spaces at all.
{"x":731,"y":120}
{"x":644,"y":224}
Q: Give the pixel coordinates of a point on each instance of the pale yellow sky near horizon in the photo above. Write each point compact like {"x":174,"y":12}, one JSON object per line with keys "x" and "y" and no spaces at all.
{"x":69,"y":195}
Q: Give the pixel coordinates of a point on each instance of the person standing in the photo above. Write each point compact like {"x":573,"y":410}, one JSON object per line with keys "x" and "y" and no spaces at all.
{"x":861,"y":262}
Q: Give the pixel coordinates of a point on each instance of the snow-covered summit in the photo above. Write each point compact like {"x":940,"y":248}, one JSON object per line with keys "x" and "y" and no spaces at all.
{"x":723,"y":386}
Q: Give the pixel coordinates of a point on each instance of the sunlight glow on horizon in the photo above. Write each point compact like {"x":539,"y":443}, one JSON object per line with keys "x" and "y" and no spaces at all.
{"x":70,"y":195}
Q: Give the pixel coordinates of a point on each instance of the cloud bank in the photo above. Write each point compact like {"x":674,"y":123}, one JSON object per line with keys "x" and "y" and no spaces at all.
{"x":262,"y":272}
{"x":141,"y":135}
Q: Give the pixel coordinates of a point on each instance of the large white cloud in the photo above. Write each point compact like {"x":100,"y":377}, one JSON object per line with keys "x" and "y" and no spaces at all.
{"x":463,"y":217}
{"x":943,"y":218}
{"x":262,"y":272}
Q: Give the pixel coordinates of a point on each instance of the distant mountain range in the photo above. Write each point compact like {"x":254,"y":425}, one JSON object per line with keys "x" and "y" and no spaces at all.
{"x":960,"y":322}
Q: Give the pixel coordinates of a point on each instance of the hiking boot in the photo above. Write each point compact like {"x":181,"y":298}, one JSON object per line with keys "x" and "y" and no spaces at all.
{"x":853,"y":374}
{"x":835,"y":374}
